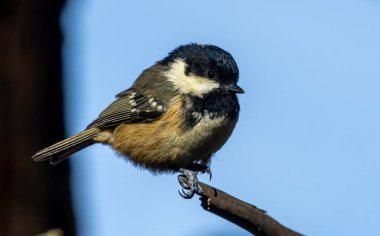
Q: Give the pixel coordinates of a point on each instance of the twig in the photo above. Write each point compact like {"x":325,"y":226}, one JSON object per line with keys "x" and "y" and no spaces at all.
{"x":241,"y":213}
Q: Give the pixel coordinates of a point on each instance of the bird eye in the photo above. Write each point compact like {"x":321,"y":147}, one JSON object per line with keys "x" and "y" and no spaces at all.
{"x":211,"y":74}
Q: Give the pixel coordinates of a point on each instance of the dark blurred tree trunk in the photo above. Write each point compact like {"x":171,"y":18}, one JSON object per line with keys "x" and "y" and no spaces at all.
{"x":34,"y":197}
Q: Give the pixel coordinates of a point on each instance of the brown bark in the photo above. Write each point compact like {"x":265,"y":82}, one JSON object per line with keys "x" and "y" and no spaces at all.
{"x":33,"y":197}
{"x":243,"y":214}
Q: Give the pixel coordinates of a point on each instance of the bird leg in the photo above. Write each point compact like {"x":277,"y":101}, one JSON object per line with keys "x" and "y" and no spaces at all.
{"x":201,"y":168}
{"x":189,"y":181}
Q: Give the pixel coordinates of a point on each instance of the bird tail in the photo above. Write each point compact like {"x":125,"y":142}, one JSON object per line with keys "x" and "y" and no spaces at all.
{"x":58,"y":152}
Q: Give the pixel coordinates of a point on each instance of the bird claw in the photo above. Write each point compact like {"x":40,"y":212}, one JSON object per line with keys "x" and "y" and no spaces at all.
{"x":186,"y":195}
{"x":183,"y":182}
{"x":189,"y":181}
{"x":208,"y":171}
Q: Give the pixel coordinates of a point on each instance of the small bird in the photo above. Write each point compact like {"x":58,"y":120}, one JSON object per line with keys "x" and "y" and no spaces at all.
{"x":175,"y":116}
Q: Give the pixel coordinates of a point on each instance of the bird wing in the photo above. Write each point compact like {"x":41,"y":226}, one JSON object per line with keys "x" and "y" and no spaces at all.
{"x":131,"y":106}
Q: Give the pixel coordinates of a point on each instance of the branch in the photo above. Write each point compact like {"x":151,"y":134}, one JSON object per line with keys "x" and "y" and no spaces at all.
{"x":241,"y":213}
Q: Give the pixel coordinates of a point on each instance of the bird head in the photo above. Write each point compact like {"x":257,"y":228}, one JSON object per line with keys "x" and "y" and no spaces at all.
{"x":198,"y":69}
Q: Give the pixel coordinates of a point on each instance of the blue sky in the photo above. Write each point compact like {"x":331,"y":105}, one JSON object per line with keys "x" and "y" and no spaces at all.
{"x":307,"y":145}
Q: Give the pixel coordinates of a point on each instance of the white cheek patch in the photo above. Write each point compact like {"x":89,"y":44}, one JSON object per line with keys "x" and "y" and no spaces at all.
{"x":189,"y":84}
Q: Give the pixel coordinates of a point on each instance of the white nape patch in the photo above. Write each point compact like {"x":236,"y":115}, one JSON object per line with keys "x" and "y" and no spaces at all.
{"x":189,"y":84}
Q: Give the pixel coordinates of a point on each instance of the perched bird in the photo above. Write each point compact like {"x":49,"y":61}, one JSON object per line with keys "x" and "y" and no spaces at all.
{"x":176,"y":115}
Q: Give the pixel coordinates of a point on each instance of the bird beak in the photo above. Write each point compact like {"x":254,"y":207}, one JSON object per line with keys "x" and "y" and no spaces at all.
{"x":234,"y":88}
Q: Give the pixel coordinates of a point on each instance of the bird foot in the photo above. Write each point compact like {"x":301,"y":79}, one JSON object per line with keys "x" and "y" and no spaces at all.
{"x":189,"y":181}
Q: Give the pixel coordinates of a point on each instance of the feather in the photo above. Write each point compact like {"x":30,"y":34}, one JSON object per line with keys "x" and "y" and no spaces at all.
{"x":130,"y":107}
{"x":61,"y":150}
